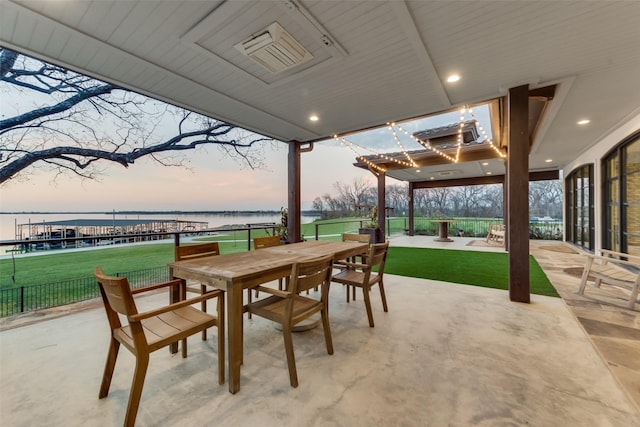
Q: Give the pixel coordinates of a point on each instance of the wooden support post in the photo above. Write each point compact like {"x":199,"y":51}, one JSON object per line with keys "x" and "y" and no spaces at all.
{"x":293,"y":204}
{"x":411,"y":208}
{"x":293,"y":225}
{"x":382,"y":206}
{"x":518,"y":194}
{"x":505,"y":208}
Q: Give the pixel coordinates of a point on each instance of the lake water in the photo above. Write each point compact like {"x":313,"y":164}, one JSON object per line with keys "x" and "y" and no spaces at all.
{"x":9,"y":221}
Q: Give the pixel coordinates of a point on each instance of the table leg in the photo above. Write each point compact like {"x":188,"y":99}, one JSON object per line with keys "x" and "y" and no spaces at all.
{"x":444,"y":232}
{"x":177,"y":294}
{"x":234,"y":335}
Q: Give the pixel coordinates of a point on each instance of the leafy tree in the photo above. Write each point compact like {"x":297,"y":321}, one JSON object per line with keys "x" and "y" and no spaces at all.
{"x":77,"y":121}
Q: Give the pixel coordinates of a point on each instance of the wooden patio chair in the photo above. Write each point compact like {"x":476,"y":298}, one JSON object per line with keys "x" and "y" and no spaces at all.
{"x":496,"y":233}
{"x":261,"y":243}
{"x":288,"y":307}
{"x":360,"y":238}
{"x":193,"y":252}
{"x":612,"y":269}
{"x":149,"y":331}
{"x":266,"y":242}
{"x":361,"y":275}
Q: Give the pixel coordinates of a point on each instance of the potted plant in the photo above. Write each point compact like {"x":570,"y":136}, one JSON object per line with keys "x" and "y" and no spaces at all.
{"x":372,"y":227}
{"x":283,"y":230}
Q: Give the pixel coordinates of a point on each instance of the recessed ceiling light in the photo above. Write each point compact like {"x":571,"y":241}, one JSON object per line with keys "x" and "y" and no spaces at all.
{"x":431,"y":177}
{"x":314,"y":118}
{"x":584,"y":121}
{"x":453,"y":78}
{"x":548,"y":160}
{"x":489,"y":173}
{"x":417,"y":170}
{"x":485,"y":163}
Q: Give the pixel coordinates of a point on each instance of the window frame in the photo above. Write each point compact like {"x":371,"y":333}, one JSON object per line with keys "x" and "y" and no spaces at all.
{"x":609,"y":233}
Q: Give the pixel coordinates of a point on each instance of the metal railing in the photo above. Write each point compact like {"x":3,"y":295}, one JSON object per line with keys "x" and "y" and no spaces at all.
{"x":469,"y":227}
{"x":47,"y":295}
{"x":22,"y":299}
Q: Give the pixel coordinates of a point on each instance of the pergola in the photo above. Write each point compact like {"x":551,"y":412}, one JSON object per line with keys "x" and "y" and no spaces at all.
{"x":271,"y":65}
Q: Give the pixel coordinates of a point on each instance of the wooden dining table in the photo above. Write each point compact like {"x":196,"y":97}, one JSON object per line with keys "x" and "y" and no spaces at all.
{"x":233,"y":273}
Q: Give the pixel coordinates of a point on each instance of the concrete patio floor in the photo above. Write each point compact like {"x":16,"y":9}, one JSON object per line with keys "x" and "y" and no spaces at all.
{"x":444,"y":355}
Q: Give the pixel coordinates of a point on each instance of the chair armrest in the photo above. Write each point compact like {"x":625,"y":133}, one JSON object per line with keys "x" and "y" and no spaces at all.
{"x":616,"y":255}
{"x":272,"y":291}
{"x":607,"y":259}
{"x":174,"y":306}
{"x":173,"y":282}
{"x":339,"y":264}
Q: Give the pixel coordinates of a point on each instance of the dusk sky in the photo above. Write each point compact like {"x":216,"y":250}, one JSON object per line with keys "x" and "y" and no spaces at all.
{"x":212,"y":182}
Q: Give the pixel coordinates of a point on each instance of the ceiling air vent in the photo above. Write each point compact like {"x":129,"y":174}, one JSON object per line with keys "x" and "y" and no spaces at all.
{"x":274,"y":49}
{"x":449,"y":172}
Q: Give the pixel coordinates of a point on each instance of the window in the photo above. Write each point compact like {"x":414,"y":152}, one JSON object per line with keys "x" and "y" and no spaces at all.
{"x":579,"y":205}
{"x":622,"y":197}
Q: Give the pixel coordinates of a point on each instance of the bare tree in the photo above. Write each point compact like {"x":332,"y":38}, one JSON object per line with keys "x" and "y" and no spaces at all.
{"x":439,"y":200}
{"x":398,"y":197}
{"x":467,"y":200}
{"x":493,"y":201}
{"x":545,"y":198}
{"x":318,"y":205}
{"x":352,"y":195}
{"x":78,"y":121}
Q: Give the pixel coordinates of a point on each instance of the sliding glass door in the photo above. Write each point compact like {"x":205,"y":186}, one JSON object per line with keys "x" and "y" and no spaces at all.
{"x":579,"y":207}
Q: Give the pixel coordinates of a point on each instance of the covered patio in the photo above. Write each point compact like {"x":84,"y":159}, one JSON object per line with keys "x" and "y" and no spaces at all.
{"x":561,"y":85}
{"x":444,"y":354}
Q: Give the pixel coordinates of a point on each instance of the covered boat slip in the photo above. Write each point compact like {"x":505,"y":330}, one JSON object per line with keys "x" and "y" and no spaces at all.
{"x":120,"y":231}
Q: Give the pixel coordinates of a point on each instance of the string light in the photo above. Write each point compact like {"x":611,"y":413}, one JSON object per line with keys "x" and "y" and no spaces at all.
{"x":410,"y":163}
{"x":404,"y":151}
{"x":375,"y":153}
{"x":349,"y":145}
{"x":486,"y":136}
{"x":427,"y":145}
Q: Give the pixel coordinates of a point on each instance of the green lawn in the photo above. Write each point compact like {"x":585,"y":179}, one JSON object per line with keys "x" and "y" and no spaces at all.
{"x":469,"y":267}
{"x":55,"y":267}
{"x":486,"y":269}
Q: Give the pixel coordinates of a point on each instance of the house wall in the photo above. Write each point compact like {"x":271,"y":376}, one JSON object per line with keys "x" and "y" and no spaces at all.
{"x":594,"y":155}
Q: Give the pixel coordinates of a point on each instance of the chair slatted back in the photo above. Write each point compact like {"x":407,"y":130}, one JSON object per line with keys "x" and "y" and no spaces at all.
{"x":378,"y":256}
{"x":311,"y":274}
{"x":266,"y":242}
{"x":116,"y":295}
{"x":352,"y":237}
{"x":196,"y":251}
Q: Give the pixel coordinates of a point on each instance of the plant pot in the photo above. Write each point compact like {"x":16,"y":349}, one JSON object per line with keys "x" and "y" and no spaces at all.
{"x":375,"y":233}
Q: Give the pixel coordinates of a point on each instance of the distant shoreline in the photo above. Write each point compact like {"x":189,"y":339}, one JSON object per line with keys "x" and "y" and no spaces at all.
{"x":160,"y":212}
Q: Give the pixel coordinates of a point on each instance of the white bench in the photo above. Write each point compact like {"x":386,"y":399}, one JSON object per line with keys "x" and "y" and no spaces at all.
{"x":612,"y":270}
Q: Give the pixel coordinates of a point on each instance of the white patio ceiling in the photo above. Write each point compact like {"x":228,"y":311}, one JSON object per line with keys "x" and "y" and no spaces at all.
{"x":386,"y":60}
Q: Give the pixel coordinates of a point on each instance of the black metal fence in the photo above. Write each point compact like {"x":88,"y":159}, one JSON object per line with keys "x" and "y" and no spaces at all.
{"x":479,"y":227}
{"x":36,"y":297}
{"x":468,"y":227}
